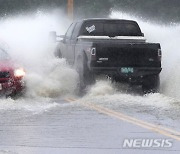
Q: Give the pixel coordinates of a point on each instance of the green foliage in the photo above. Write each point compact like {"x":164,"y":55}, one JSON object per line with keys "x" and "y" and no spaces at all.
{"x":164,"y":10}
{"x":92,"y":8}
{"x":10,"y":7}
{"x":161,"y":10}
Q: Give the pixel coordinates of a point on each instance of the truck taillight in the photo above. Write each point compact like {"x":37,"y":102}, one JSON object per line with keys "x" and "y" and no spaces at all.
{"x":159,"y":54}
{"x":93,"y":51}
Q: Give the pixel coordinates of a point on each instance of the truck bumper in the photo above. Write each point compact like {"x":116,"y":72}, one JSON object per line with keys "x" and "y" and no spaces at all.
{"x":137,"y":71}
{"x":135,"y":77}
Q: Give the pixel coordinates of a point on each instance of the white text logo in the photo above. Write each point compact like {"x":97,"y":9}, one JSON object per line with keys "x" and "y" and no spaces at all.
{"x":147,"y":143}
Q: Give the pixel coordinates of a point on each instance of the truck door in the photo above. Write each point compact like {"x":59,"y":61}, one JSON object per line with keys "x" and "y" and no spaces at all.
{"x":67,"y":43}
{"x":73,"y":42}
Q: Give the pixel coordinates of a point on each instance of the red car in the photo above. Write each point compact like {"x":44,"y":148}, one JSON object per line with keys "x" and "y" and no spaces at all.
{"x":11,"y":76}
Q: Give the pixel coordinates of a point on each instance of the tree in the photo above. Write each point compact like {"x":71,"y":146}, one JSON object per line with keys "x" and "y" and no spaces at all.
{"x":92,"y":8}
{"x":161,"y":10}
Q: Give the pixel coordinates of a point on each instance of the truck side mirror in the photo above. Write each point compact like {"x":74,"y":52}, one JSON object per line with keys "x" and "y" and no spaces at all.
{"x":143,"y":34}
{"x":62,"y":38}
{"x":52,"y":36}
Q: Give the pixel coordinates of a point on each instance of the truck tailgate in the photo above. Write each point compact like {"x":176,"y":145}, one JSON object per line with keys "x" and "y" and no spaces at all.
{"x":127,"y":55}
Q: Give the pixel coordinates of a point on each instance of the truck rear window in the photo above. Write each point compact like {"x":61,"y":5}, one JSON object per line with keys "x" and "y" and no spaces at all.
{"x":110,"y":29}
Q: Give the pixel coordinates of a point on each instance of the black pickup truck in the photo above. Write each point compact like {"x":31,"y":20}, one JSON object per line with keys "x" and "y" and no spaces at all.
{"x":113,"y":47}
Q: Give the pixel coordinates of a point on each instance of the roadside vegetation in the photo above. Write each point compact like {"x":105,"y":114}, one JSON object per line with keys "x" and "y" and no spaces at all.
{"x":161,"y":10}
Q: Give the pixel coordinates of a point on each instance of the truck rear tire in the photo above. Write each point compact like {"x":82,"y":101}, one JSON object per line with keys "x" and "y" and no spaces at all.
{"x":151,"y":84}
{"x":85,"y":76}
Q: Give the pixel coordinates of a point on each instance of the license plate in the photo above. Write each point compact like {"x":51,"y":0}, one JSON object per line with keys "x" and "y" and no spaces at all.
{"x":0,"y":86}
{"x":126,"y":70}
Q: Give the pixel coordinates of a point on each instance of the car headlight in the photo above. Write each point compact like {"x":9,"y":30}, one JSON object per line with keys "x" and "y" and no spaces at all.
{"x":19,"y":72}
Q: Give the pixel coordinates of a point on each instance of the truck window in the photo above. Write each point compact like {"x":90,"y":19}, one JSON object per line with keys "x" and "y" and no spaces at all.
{"x":69,"y":32}
{"x":124,"y":29}
{"x":111,"y":29}
{"x":76,"y":31}
{"x":92,"y":29}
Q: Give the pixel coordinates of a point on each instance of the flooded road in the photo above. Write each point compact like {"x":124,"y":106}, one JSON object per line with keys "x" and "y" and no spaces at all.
{"x":79,"y":125}
{"x":157,"y":108}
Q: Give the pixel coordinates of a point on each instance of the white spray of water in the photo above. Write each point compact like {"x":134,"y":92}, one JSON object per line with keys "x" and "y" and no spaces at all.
{"x":58,"y":79}
{"x":50,"y":77}
{"x":27,"y":37}
{"x":101,"y":88}
{"x":36,"y":106}
{"x":46,"y":76}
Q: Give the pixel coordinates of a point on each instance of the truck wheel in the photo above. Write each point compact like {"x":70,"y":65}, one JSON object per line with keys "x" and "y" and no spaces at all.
{"x":58,"y":54}
{"x":85,"y":76}
{"x":151,"y":84}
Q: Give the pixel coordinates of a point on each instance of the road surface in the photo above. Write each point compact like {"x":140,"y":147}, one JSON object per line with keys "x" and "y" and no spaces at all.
{"x":77,"y":126}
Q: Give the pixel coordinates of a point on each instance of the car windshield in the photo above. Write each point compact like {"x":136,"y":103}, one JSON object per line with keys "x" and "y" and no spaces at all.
{"x":3,"y":55}
{"x":111,"y":29}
